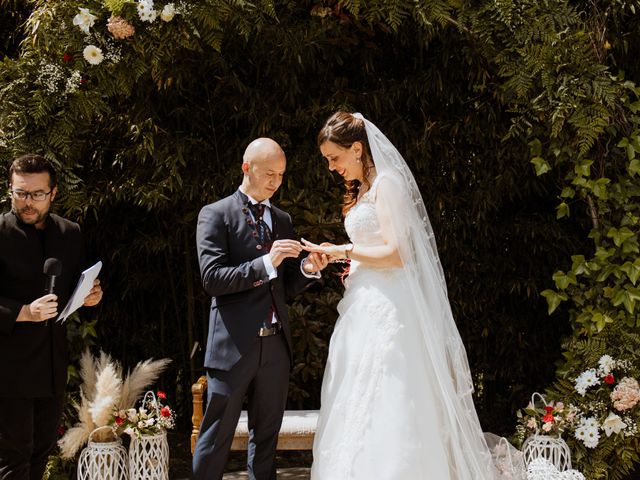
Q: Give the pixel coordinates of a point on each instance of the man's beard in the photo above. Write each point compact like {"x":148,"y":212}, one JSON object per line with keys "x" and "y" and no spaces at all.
{"x":41,"y":215}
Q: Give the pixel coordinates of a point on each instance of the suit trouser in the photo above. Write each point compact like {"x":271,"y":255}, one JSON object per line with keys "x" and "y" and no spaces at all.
{"x":262,"y":374}
{"x":28,"y":433}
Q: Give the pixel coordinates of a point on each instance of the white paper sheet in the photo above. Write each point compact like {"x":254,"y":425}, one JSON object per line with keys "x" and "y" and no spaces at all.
{"x":81,"y":291}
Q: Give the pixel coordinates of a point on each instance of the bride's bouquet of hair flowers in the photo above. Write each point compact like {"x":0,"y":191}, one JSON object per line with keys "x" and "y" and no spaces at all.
{"x":104,"y":388}
{"x":150,"y":418}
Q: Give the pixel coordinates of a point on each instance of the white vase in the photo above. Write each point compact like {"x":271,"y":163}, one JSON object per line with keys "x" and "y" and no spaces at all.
{"x":149,"y":457}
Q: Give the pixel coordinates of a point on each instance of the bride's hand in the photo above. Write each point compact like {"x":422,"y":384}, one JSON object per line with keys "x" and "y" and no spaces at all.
{"x":334,"y":252}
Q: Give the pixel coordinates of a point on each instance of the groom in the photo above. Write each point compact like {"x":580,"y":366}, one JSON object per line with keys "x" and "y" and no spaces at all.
{"x":247,"y":256}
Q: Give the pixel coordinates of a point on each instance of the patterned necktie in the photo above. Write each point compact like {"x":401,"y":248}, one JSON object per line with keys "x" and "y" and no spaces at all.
{"x":264,"y":232}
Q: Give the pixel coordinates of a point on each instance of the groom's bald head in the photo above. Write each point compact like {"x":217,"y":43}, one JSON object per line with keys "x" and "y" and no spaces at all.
{"x":263,"y":166}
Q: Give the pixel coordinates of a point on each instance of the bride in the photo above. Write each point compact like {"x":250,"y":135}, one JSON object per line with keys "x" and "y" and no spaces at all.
{"x":396,"y":400}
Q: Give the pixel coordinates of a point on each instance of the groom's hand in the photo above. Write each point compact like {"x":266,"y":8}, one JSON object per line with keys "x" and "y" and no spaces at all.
{"x":282,"y":249}
{"x":316,"y":262}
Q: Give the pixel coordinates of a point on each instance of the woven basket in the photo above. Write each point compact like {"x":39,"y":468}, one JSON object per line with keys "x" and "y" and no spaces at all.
{"x":553,"y":449}
{"x":149,"y":454}
{"x":103,"y":460}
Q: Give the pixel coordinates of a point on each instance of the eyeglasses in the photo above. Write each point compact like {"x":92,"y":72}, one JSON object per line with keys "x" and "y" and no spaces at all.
{"x":37,"y":196}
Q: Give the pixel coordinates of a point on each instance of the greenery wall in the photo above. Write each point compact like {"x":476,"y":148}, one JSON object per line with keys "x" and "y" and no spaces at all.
{"x":512,"y":114}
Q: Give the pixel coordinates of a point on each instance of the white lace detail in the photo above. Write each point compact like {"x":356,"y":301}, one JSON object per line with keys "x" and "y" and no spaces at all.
{"x":381,"y":323}
{"x":369,"y":369}
{"x":361,"y":222}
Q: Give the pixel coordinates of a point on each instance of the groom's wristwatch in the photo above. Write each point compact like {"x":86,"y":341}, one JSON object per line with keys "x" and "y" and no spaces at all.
{"x":347,"y":249}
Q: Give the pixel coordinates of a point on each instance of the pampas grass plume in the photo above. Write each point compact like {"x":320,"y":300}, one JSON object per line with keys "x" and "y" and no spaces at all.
{"x":143,"y":375}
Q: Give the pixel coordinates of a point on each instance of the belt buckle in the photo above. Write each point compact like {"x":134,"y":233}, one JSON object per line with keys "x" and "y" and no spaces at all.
{"x":269,"y":331}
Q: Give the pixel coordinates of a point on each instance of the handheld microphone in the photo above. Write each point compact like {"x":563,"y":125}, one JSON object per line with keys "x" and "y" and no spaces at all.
{"x":52,"y":269}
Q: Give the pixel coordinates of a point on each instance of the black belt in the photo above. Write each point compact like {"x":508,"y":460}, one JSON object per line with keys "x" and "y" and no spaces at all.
{"x":274,"y":329}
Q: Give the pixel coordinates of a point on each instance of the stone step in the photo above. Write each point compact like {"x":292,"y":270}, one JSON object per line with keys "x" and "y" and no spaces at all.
{"x":283,"y":474}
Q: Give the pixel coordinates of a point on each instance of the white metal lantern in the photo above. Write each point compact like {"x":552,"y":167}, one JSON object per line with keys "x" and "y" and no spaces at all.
{"x":149,"y":454}
{"x":149,"y":457}
{"x":553,"y":449}
{"x":103,"y":460}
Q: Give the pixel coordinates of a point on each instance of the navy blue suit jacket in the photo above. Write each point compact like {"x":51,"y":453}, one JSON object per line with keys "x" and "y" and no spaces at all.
{"x":233,"y":273}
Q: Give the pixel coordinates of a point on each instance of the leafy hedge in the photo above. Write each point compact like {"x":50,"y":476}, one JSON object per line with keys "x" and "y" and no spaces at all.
{"x":512,"y":115}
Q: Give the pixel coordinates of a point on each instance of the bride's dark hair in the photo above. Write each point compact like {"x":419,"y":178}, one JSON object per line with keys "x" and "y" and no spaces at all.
{"x":344,"y":129}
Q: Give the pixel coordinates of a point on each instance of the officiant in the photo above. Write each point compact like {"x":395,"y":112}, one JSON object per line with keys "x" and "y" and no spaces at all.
{"x":41,"y":259}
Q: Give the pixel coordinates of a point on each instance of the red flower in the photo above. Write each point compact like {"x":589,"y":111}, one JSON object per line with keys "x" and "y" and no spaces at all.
{"x":548,"y":418}
{"x":609,"y":379}
{"x":119,"y":420}
{"x":165,"y":412}
{"x":67,"y":57}
{"x":548,"y":409}
{"x":61,"y":430}
{"x":162,"y":395}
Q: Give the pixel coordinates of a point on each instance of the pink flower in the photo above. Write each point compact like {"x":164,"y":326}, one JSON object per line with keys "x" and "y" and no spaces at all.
{"x":547,"y":427}
{"x":626,"y":394}
{"x":120,"y":28}
{"x":559,"y":407}
{"x":532,"y":424}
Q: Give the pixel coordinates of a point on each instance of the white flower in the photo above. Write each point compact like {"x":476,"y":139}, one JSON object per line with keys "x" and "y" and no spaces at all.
{"x":93,"y":55}
{"x":51,"y":76}
{"x":73,"y":83}
{"x":589,"y":436}
{"x":613,"y":424}
{"x":606,"y":364}
{"x":588,"y":422}
{"x":168,"y":12}
{"x":129,"y":431}
{"x":132,"y":414}
{"x":146,"y":11}
{"x":588,"y":432}
{"x":587,"y":379}
{"x":84,"y":20}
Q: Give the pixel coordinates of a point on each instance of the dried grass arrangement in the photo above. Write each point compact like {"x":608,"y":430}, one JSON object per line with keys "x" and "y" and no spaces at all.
{"x":104,"y":389}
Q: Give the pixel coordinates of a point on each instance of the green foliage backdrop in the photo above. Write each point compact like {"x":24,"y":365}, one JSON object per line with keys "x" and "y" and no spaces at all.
{"x":518,"y":119}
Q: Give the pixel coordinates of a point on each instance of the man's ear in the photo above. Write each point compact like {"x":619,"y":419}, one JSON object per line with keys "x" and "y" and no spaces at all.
{"x":245,"y":167}
{"x":54,"y":190}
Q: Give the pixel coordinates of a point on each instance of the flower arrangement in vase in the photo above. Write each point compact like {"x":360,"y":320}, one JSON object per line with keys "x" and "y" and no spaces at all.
{"x":103,"y":389}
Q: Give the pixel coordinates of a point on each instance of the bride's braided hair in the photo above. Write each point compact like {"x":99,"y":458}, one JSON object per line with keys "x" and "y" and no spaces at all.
{"x":344,"y":129}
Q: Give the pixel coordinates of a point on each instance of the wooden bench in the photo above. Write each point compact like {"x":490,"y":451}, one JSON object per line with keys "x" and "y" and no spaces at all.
{"x":297,"y":431}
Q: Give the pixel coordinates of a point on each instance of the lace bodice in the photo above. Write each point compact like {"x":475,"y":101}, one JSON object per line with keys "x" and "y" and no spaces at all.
{"x":361,"y":223}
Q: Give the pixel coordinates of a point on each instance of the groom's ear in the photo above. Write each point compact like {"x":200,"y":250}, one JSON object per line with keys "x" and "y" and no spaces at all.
{"x":245,"y":167}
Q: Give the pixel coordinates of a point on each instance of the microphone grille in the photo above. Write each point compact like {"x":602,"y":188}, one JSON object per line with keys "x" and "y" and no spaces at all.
{"x":52,"y":267}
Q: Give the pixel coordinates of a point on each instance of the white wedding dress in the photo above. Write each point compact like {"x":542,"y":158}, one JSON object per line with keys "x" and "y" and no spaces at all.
{"x":383,"y":415}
